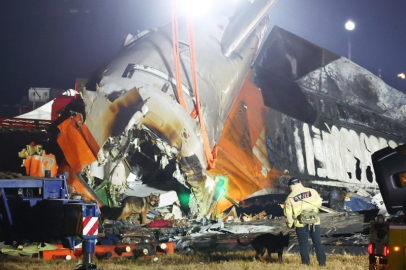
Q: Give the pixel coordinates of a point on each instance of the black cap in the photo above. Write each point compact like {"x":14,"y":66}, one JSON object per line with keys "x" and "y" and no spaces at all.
{"x":293,"y":181}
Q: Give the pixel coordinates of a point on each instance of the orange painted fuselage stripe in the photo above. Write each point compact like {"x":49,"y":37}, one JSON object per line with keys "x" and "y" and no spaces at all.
{"x":235,"y":157}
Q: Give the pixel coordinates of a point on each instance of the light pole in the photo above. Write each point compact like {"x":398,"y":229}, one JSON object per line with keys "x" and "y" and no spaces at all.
{"x":349,"y":25}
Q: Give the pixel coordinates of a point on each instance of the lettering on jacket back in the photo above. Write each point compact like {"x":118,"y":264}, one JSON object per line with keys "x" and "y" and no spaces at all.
{"x":302,"y":196}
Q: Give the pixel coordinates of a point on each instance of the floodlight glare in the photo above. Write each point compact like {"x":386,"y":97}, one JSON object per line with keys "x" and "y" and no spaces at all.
{"x":350,"y":25}
{"x":196,"y":7}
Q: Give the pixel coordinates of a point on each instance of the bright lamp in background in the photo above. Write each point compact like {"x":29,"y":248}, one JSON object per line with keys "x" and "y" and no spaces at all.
{"x":196,"y":7}
{"x":402,"y":75}
{"x":350,"y":25}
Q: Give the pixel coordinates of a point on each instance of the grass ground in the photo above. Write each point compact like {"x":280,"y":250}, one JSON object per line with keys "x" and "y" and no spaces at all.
{"x":223,"y":261}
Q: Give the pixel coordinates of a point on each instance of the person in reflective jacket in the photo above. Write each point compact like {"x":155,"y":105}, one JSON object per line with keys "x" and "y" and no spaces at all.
{"x":305,"y":201}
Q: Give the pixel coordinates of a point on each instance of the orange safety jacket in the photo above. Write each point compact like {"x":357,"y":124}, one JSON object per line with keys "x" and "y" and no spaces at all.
{"x":301,"y":198}
{"x":36,"y":165}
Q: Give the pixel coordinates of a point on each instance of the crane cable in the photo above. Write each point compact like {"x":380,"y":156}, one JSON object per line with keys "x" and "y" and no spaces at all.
{"x":210,"y":155}
{"x":175,"y":45}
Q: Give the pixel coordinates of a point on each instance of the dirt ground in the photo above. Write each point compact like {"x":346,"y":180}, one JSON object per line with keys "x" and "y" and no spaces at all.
{"x":224,"y":261}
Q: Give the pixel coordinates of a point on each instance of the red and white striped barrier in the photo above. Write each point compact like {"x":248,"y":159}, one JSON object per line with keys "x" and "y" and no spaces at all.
{"x":90,"y":226}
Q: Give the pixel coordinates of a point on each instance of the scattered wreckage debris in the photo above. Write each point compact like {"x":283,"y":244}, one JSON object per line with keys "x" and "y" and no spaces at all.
{"x":205,"y":236}
{"x":252,"y":217}
{"x":182,"y":234}
{"x":361,"y":200}
{"x":127,"y":238}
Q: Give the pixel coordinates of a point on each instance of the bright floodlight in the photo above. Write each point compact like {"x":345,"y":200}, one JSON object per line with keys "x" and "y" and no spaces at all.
{"x":402,"y":76}
{"x":350,"y":25}
{"x":196,"y":7}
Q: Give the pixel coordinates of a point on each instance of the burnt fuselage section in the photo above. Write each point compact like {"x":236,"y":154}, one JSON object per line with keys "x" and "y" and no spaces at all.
{"x":331,"y":114}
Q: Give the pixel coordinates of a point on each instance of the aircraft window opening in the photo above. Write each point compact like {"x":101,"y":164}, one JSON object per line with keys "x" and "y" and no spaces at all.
{"x":188,"y":93}
{"x":129,"y":71}
{"x":369,"y":174}
{"x":165,"y":88}
{"x":358,"y":169}
{"x":131,"y":68}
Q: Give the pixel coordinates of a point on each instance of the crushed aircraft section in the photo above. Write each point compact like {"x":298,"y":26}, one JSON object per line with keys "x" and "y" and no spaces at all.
{"x":129,"y":136}
{"x":143,"y":134}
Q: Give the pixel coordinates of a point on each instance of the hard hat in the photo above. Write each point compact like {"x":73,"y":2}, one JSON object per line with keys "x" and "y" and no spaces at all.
{"x":293,"y":181}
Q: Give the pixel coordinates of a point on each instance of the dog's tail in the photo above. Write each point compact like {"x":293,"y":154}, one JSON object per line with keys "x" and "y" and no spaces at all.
{"x":243,"y":244}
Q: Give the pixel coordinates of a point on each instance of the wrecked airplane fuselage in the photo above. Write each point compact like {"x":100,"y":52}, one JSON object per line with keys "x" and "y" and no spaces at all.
{"x":329,"y":114}
{"x":144,"y":134}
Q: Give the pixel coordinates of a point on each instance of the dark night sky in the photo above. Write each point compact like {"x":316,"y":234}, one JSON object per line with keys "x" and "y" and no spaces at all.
{"x":48,"y":43}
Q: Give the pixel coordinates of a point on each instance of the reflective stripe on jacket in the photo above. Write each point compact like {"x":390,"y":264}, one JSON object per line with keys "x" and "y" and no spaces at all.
{"x":299,"y":199}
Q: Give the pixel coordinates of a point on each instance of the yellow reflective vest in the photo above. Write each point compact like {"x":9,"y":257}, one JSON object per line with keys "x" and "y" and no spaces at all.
{"x":299,"y":199}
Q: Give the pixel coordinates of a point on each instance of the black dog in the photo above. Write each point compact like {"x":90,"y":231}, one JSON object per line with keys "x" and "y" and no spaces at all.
{"x":268,"y":242}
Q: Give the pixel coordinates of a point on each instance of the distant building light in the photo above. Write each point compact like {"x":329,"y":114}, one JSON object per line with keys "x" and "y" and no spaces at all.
{"x":402,"y":75}
{"x":72,"y":11}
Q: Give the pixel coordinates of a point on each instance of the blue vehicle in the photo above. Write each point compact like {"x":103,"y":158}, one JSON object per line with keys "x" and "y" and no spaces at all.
{"x":38,"y":210}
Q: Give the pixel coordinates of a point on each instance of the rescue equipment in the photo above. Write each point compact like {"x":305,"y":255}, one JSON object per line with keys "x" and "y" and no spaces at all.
{"x":308,"y":217}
